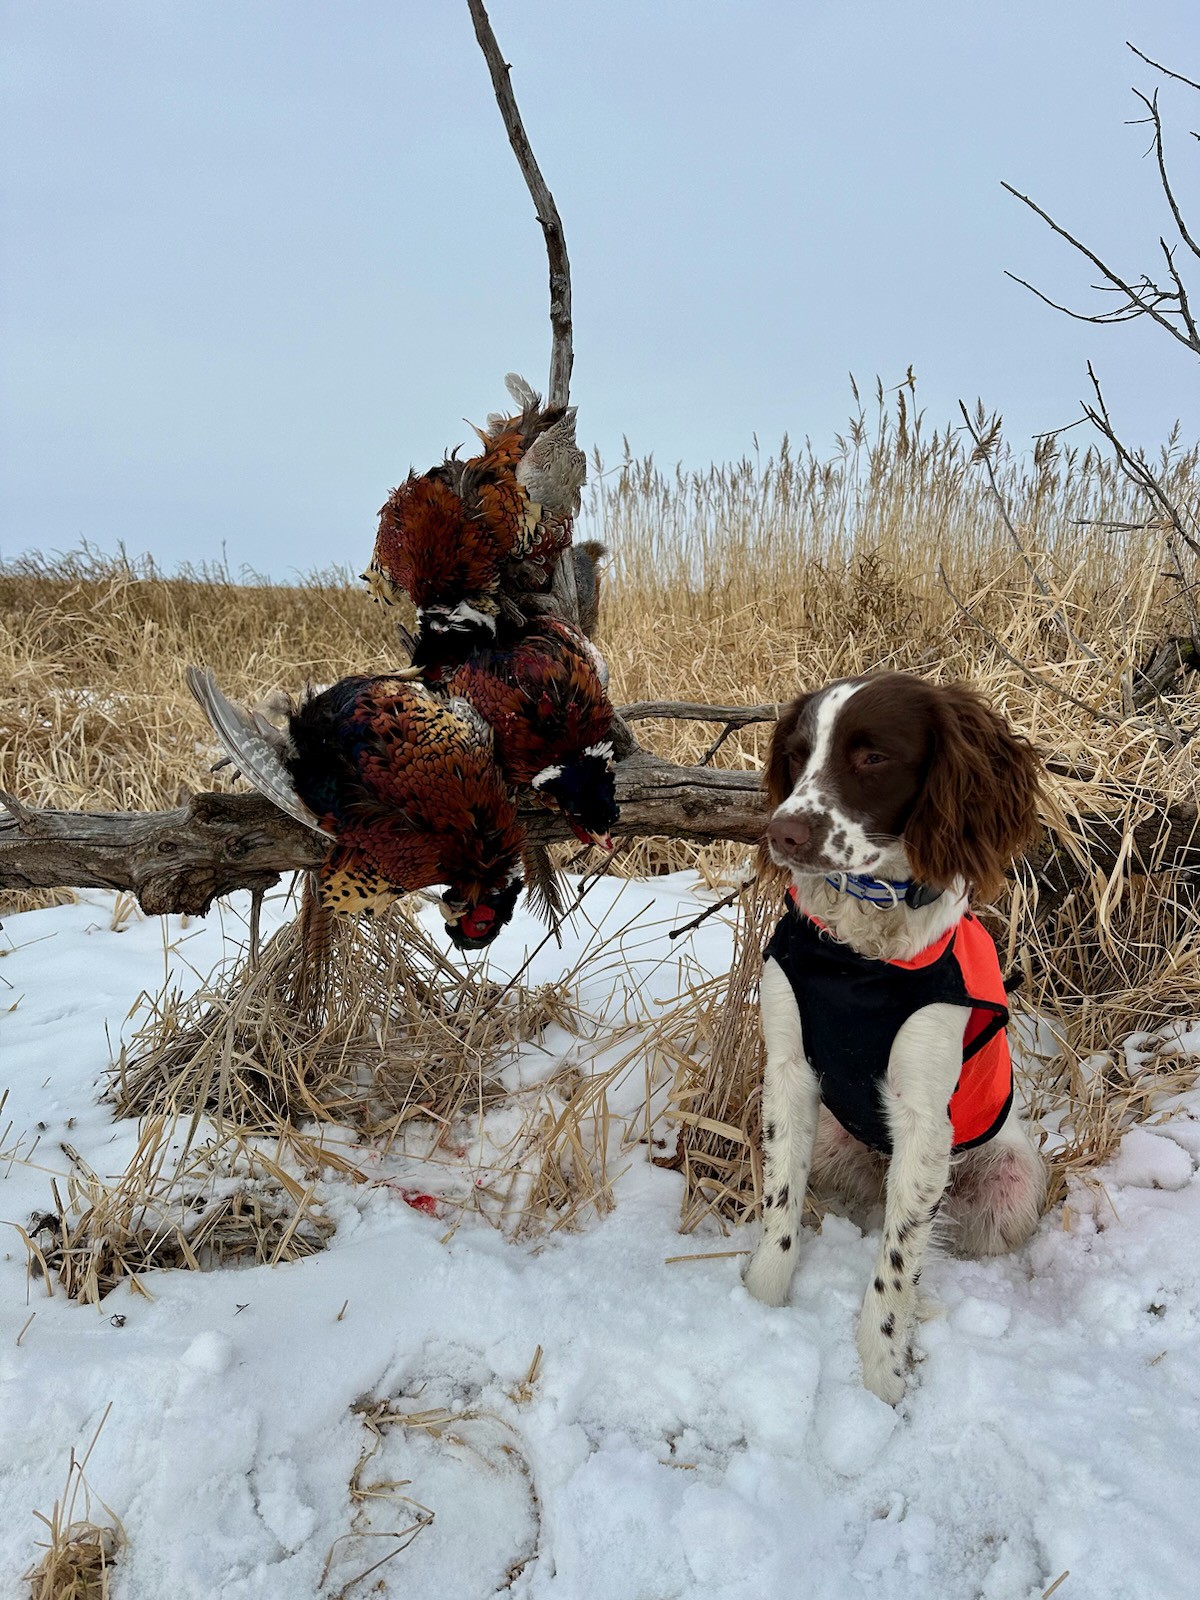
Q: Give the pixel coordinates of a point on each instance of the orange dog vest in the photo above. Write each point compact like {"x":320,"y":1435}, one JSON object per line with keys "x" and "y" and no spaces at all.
{"x":852,"y":1007}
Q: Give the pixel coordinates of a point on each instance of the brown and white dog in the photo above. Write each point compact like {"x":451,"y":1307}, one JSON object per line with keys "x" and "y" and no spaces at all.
{"x":895,"y":799}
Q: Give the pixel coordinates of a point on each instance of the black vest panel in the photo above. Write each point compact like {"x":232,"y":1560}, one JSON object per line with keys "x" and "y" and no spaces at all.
{"x":851,"y":1009}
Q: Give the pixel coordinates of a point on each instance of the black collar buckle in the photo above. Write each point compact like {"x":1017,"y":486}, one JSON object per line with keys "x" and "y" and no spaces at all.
{"x":918,"y":895}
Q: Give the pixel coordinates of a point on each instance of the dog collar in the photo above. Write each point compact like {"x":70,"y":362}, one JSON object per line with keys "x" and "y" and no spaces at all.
{"x":886,"y":892}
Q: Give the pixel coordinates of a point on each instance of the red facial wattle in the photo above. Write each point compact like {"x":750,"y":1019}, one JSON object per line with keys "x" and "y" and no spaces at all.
{"x":478,"y":923}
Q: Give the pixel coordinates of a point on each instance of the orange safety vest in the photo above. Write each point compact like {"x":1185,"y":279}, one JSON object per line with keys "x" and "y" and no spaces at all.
{"x":851,"y":1008}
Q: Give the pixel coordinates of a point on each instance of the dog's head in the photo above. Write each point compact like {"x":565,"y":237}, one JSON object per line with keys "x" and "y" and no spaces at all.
{"x":889,"y":775}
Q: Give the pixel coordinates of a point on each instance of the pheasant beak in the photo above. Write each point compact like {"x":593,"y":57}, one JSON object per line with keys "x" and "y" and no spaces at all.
{"x":586,"y":836}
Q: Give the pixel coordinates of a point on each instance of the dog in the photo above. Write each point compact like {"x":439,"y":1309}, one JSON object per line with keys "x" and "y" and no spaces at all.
{"x":883,"y":1010}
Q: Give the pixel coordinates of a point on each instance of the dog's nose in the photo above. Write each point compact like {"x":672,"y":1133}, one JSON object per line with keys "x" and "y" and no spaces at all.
{"x":789,"y":835}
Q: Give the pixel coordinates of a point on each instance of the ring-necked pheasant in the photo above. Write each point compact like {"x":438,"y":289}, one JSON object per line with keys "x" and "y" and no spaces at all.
{"x":404,"y":783}
{"x":545,"y":698}
{"x":474,"y":543}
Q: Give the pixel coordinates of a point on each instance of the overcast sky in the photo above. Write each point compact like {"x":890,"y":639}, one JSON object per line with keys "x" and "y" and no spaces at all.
{"x":259,"y":256}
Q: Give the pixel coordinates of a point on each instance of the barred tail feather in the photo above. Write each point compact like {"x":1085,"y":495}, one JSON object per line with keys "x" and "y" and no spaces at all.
{"x":543,"y":887}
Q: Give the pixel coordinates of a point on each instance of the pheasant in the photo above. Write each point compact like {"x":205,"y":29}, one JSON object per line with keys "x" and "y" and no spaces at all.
{"x":545,"y":698}
{"x":402,"y":781}
{"x":474,"y":543}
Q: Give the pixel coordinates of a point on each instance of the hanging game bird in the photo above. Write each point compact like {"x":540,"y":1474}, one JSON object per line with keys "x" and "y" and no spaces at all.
{"x":403,"y":782}
{"x":545,"y":698}
{"x":474,"y":543}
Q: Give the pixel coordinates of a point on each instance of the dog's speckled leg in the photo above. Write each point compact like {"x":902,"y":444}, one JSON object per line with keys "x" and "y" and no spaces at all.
{"x":791,"y":1103}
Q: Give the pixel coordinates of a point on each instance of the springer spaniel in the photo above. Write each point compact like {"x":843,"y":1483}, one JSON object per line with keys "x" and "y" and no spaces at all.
{"x":883,"y":1011}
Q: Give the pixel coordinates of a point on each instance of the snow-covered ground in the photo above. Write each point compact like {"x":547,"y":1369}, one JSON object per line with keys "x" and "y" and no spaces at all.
{"x":675,"y":1440}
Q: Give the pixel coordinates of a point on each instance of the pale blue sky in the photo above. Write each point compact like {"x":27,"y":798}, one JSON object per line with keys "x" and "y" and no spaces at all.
{"x":259,"y":256}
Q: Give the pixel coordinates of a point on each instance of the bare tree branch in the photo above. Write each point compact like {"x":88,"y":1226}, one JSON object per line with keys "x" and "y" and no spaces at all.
{"x":1134,"y":465}
{"x":693,"y":711}
{"x":1142,"y":302}
{"x":1151,"y":104}
{"x":561,"y":353}
{"x":1158,"y":67}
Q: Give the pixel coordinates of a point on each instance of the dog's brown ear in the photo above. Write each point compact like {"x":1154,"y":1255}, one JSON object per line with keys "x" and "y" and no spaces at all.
{"x":777,"y":778}
{"x":979,"y":806}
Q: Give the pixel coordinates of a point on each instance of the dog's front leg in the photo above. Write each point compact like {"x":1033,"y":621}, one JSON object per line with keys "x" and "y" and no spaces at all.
{"x":791,"y":1104}
{"x":923,"y":1068}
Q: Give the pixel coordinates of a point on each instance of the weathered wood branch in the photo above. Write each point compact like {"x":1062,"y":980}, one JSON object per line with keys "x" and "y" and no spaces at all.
{"x":561,"y":352}
{"x":694,"y":711}
{"x":181,"y":860}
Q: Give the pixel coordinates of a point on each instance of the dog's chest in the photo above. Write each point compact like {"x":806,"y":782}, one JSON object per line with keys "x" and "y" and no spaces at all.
{"x":851,"y":1009}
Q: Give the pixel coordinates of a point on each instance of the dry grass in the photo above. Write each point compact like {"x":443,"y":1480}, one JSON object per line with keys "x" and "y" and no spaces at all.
{"x":79,"y":1551}
{"x":182,"y":1201}
{"x":367,"y":1023}
{"x":737,"y":585}
{"x":477,"y":1437}
{"x":367,"y":1027}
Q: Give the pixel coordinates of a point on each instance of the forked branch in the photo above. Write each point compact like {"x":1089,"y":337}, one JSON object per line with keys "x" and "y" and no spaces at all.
{"x":1166,"y":304}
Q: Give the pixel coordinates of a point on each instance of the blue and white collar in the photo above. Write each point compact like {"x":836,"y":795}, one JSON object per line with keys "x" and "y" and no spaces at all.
{"x":886,"y":892}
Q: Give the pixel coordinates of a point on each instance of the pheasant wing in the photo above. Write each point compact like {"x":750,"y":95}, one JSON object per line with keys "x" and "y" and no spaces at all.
{"x":253,"y":745}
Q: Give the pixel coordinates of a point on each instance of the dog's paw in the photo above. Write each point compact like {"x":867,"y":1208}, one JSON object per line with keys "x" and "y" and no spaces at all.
{"x":882,"y":1363}
{"x":768,"y":1275}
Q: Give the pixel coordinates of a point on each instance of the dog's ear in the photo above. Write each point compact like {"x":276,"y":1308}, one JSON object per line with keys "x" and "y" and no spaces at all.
{"x":979,"y":806}
{"x":777,"y":778}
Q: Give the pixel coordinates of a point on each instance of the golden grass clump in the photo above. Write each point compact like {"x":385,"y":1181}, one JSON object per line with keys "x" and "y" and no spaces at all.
{"x":79,"y":1552}
{"x":363,"y":1024}
{"x":360,"y":1020}
{"x":179,"y":1203}
{"x":742,"y":584}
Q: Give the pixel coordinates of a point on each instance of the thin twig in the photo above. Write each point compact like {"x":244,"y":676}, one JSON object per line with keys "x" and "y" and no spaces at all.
{"x":709,"y":911}
{"x":982,"y":453}
{"x":1158,"y":67}
{"x":1151,"y":104}
{"x":1030,"y":676}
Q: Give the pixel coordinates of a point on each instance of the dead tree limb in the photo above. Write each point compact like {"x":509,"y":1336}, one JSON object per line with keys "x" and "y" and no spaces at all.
{"x":562,"y":356}
{"x":182,"y":860}
{"x":173,"y":861}
{"x":561,"y":352}
{"x":693,"y":711}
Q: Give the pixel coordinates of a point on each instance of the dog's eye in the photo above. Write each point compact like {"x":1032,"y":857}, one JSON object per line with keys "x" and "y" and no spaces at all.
{"x":870,"y":758}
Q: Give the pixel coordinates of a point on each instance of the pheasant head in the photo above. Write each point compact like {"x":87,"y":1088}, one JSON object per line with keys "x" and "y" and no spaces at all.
{"x":584,"y":790}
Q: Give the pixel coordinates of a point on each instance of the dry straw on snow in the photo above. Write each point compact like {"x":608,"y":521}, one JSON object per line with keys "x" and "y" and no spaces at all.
{"x":177,"y":1204}
{"x":740,"y":585}
{"x":79,"y":1551}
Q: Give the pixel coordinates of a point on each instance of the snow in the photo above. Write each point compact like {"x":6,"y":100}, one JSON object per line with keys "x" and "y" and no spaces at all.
{"x":676,"y":1439}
